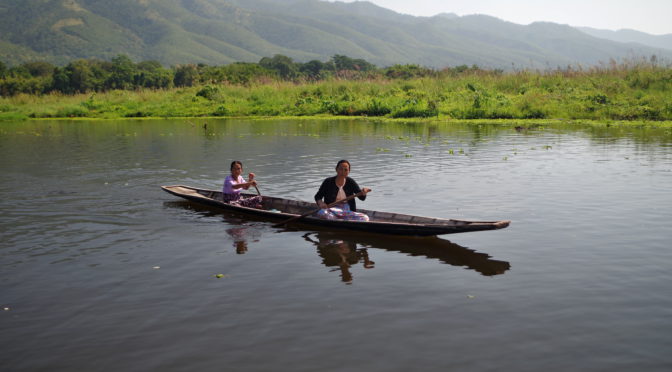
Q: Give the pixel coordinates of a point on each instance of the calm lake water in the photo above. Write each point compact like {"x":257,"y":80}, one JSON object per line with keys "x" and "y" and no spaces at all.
{"x":100,"y":270}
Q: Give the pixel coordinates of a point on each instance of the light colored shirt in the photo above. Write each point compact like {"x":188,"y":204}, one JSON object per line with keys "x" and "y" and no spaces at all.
{"x":229,"y":182}
{"x":341,"y":194}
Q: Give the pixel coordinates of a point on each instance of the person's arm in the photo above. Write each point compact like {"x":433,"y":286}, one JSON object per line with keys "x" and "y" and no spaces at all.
{"x":356,"y":190}
{"x":245,"y":185}
{"x":320,"y":195}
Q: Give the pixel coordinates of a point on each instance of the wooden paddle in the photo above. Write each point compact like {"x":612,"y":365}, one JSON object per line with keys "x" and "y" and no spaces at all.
{"x":315,"y":210}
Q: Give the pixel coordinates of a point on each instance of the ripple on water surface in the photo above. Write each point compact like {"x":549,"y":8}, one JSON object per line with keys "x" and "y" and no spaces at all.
{"x":100,"y":267}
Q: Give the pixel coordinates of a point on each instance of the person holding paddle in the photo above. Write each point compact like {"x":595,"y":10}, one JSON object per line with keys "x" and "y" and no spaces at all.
{"x":234,"y":184}
{"x":340,"y":188}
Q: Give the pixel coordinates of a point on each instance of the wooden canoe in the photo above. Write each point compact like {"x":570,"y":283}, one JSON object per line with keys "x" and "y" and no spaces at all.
{"x":279,"y":209}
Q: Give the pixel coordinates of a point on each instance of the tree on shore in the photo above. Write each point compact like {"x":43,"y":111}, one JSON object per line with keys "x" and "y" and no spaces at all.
{"x":122,"y":73}
{"x":185,"y":76}
{"x":283,"y":65}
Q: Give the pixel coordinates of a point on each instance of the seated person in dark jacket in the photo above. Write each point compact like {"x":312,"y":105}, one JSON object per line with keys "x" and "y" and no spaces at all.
{"x":338,"y":188}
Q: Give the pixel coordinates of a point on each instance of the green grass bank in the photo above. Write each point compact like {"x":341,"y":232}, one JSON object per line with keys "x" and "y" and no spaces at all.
{"x":640,"y":94}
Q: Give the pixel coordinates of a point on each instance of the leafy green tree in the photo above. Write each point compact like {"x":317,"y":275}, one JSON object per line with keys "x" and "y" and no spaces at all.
{"x":122,"y":73}
{"x":283,"y":65}
{"x":61,"y":80}
{"x":313,"y":69}
{"x":3,"y":70}
{"x":234,"y":73}
{"x":19,"y":72}
{"x":39,"y":68}
{"x":151,"y":74}
{"x":149,"y":66}
{"x":342,"y":62}
{"x":244,"y":73}
{"x":362,"y":65}
{"x":80,"y":76}
{"x":9,"y":86}
{"x":185,"y":75}
{"x":12,"y":85}
{"x":102,"y":70}
{"x":407,"y":71}
{"x":329,"y":66}
{"x":211,"y":74}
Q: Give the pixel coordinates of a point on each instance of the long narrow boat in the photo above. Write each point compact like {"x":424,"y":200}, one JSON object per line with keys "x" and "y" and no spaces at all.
{"x":279,"y":209}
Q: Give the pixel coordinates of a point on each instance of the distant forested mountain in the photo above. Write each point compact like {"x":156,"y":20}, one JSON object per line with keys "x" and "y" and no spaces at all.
{"x":218,"y":32}
{"x":632,"y":36}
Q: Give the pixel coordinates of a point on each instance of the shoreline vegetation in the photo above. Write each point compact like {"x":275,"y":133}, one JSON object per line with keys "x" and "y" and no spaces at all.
{"x":637,"y":92}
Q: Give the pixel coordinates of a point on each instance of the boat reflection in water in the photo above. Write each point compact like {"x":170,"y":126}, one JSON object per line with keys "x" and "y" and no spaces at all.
{"x":345,"y":250}
{"x":240,"y":233}
{"x":449,"y":253}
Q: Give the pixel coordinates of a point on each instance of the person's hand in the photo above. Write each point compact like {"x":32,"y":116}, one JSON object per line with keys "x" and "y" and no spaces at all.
{"x":366,"y":190}
{"x":253,"y":183}
{"x":321,"y":204}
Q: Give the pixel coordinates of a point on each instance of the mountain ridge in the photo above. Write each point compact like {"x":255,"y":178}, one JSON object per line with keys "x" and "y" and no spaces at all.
{"x":631,"y":36}
{"x":224,"y":31}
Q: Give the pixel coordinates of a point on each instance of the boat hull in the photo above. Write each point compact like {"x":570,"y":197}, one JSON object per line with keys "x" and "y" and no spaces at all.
{"x":279,"y":209}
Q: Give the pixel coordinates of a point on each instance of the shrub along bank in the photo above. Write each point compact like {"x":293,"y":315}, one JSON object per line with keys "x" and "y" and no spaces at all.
{"x":638,"y":91}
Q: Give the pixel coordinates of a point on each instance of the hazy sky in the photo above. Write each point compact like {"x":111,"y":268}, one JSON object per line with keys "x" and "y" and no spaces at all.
{"x":651,"y":16}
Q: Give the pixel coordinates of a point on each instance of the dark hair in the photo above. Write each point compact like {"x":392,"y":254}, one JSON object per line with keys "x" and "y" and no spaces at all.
{"x":341,"y":162}
{"x":236,"y":162}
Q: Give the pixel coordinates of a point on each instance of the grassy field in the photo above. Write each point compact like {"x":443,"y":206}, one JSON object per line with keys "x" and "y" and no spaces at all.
{"x":619,"y":94}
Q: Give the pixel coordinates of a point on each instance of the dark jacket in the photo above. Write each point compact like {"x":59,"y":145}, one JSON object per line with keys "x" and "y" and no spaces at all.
{"x":329,"y":190}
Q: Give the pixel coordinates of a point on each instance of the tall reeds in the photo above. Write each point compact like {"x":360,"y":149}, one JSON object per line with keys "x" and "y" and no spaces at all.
{"x":626,"y":91}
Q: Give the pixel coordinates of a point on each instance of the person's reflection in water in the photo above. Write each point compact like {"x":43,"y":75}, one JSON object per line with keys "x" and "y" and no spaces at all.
{"x":241,"y":247}
{"x":340,"y":253}
{"x":239,"y":239}
{"x":332,"y":247}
